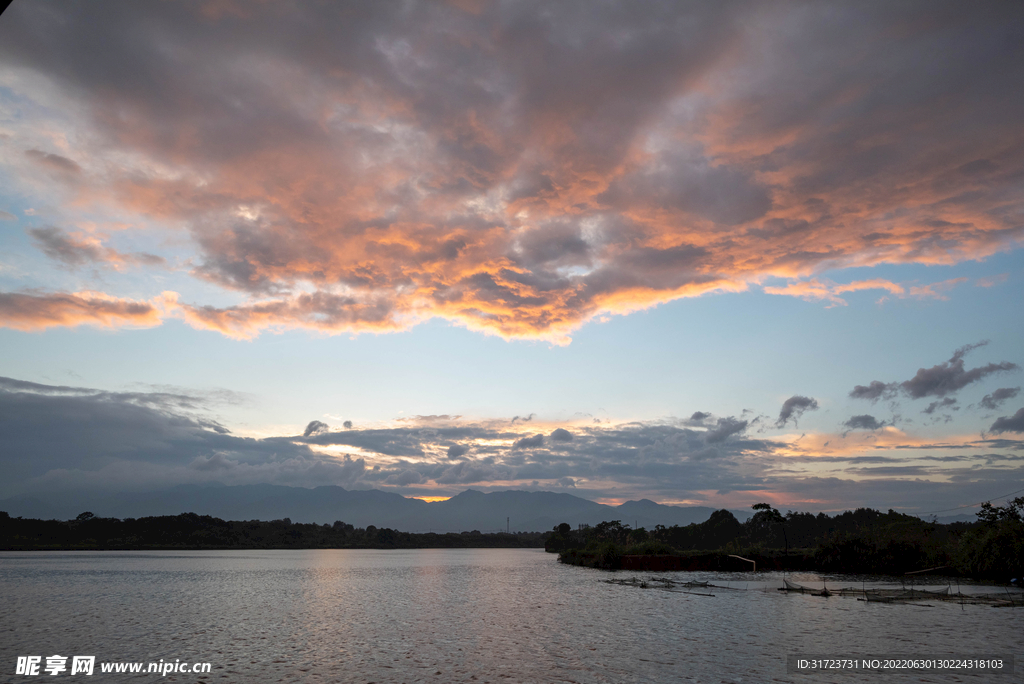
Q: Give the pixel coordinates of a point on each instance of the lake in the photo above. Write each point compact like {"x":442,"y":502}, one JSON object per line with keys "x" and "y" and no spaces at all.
{"x":457,"y":615}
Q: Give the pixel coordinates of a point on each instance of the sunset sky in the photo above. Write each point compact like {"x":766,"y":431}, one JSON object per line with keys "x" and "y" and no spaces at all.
{"x":706,"y":253}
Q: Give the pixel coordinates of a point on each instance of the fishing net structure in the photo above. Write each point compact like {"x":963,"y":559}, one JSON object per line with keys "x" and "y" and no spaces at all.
{"x":903,"y":594}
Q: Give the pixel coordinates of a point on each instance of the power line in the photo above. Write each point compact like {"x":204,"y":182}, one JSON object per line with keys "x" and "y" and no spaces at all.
{"x":998,"y":498}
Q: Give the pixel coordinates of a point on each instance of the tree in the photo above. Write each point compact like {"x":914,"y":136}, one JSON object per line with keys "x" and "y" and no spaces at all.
{"x":612,"y":530}
{"x":88,"y":515}
{"x":717,"y":531}
{"x":766,"y":517}
{"x":995,"y":549}
{"x":1014,"y":510}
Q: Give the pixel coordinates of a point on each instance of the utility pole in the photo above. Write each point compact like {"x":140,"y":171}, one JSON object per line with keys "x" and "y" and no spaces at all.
{"x":506,"y":526}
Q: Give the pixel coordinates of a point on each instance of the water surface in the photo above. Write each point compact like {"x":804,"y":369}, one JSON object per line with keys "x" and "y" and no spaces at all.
{"x":456,"y":615}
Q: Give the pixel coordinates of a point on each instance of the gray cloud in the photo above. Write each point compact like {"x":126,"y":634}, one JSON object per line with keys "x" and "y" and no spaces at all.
{"x":468,"y":472}
{"x":385,"y":442}
{"x":725,"y":428}
{"x":687,"y":182}
{"x":864,"y":422}
{"x":57,"y":245}
{"x":152,"y":440}
{"x":404,"y":478}
{"x":7,"y":216}
{"x":54,"y":162}
{"x":69,"y":438}
{"x":794,"y":407}
{"x":949,"y":377}
{"x":60,"y":246}
{"x":994,"y":400}
{"x":529,"y":442}
{"x":163,"y":400}
{"x":560,"y":242}
{"x":938,"y":381}
{"x":561,"y":435}
{"x":315,"y":427}
{"x":947,"y":403}
{"x":1014,"y":423}
{"x":875,"y":391}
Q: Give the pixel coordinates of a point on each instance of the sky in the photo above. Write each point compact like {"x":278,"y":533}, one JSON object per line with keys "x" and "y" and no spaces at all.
{"x":701,"y":253}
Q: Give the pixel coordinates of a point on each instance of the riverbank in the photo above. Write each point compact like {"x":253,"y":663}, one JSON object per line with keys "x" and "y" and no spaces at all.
{"x":859,"y":542}
{"x":626,"y":559}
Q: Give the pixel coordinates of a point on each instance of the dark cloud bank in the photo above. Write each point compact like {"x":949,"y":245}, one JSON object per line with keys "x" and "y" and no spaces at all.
{"x":61,"y":440}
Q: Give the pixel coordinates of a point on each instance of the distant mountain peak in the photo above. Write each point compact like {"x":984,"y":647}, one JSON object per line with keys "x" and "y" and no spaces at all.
{"x":471,"y":509}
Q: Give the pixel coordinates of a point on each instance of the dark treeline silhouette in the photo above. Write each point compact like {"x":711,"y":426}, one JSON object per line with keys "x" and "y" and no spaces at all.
{"x":860,"y":541}
{"x":191,"y":531}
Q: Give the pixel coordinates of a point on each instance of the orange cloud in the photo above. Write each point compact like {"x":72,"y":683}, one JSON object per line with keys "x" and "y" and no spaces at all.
{"x":523,"y":181}
{"x":812,"y":446}
{"x":936,"y":290}
{"x":35,"y":312}
{"x":875,"y":284}
{"x":992,"y":281}
{"x":815,"y":290}
{"x":318,"y":311}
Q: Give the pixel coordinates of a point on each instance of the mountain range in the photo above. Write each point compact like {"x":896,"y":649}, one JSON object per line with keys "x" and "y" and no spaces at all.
{"x":471,"y":510}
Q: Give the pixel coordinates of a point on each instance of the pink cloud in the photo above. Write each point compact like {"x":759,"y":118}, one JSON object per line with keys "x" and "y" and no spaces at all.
{"x":522,"y":173}
{"x":33,"y":312}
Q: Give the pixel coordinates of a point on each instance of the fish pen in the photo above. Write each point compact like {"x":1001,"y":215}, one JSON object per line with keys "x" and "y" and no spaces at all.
{"x":902,"y":595}
{"x":666,"y":584}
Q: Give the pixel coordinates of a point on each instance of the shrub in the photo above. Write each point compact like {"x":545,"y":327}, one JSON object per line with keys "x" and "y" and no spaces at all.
{"x":651,"y":547}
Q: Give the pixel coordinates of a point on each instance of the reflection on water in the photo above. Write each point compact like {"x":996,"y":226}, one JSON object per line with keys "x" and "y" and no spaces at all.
{"x":444,"y":615}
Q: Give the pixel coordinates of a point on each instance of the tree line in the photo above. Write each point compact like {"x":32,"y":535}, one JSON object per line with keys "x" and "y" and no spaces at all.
{"x":860,"y":541}
{"x":191,"y":531}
